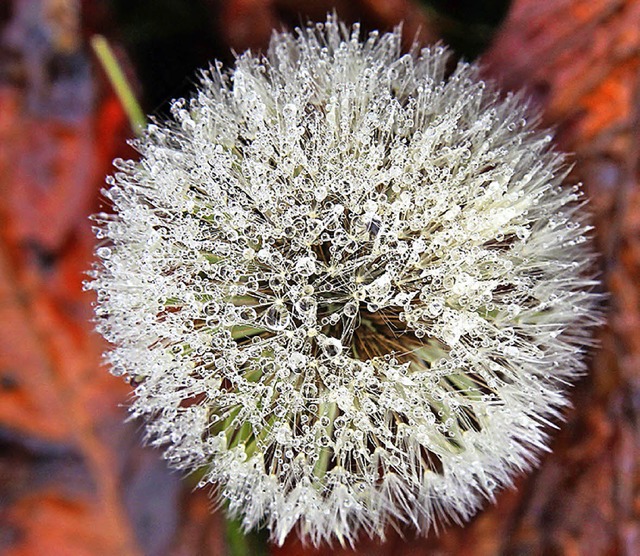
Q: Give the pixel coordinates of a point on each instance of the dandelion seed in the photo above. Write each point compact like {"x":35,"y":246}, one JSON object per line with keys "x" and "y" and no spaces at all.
{"x":348,"y":283}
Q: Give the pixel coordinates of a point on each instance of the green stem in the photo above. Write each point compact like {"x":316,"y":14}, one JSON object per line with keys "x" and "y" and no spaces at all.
{"x":119,"y":82}
{"x":240,"y":331}
{"x":240,"y":543}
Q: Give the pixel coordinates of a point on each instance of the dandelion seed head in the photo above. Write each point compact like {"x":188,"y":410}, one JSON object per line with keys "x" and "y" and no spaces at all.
{"x":348,"y":283}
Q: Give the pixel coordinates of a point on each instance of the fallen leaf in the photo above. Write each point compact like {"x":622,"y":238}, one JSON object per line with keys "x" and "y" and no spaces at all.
{"x":68,"y":486}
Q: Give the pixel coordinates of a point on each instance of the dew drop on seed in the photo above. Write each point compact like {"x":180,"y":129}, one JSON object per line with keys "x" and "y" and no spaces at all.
{"x":435,"y":307}
{"x":277,"y":282}
{"x":211,"y":308}
{"x":332,"y":348}
{"x":309,"y":390}
{"x":306,"y":306}
{"x":351,"y":309}
{"x":277,"y":317}
{"x":306,"y":266}
{"x":247,"y":314}
{"x":103,"y":252}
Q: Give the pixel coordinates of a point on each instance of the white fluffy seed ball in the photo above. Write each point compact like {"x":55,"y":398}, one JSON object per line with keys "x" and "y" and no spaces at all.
{"x":347,"y":283}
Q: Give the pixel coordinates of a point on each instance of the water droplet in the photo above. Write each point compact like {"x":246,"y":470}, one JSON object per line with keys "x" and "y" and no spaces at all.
{"x":309,"y":390}
{"x":321,"y":193}
{"x":306,"y":266}
{"x":435,"y":307}
{"x":511,"y":351}
{"x":332,"y":347}
{"x":211,"y":308}
{"x":247,"y":314}
{"x":277,"y":282}
{"x":351,"y":309}
{"x":103,"y":252}
{"x":117,"y":370}
{"x":277,"y":317}
{"x":306,"y":306}
{"x":297,"y":360}
{"x":289,"y":111}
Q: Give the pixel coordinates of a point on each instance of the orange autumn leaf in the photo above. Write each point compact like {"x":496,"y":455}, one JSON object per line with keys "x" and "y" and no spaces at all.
{"x":61,"y":420}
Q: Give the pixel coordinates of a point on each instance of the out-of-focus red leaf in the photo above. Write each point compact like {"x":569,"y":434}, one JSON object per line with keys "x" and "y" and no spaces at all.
{"x":68,"y":465}
{"x":200,"y":531}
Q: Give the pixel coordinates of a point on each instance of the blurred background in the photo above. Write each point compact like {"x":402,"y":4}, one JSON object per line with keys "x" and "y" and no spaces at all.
{"x":74,"y":479}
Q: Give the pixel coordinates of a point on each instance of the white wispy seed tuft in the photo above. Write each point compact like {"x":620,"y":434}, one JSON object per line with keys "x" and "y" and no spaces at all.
{"x":348,"y":284}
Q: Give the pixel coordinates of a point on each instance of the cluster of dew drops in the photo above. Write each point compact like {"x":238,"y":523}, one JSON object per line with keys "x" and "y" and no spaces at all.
{"x":337,"y":260}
